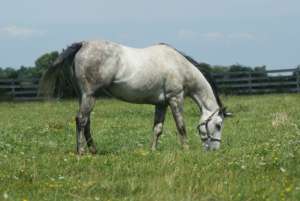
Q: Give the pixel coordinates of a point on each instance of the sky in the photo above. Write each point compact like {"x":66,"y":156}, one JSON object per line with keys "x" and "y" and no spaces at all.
{"x":218,"y":32}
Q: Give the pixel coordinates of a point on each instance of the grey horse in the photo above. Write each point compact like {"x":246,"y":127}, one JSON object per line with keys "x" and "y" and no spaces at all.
{"x":159,"y":75}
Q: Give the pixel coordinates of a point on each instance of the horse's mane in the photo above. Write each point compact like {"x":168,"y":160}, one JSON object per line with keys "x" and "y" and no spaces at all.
{"x":205,"y":72}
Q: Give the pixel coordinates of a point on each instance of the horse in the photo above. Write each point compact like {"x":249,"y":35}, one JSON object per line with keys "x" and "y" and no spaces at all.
{"x":159,"y":75}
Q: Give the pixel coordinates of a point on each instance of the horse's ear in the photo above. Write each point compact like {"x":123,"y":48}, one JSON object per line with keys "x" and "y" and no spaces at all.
{"x":226,"y":113}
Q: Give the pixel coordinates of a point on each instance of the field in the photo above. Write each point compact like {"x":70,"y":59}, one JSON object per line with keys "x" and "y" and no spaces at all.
{"x":259,"y":158}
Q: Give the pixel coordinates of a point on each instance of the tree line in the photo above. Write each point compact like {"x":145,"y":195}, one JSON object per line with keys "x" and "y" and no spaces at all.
{"x":36,"y":71}
{"x":45,"y":60}
{"x":64,"y":85}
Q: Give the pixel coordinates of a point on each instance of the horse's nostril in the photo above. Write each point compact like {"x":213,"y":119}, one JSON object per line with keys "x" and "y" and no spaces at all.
{"x":215,"y":145}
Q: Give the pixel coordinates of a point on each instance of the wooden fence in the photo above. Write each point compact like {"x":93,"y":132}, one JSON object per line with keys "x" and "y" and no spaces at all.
{"x":271,"y":81}
{"x":19,"y":89}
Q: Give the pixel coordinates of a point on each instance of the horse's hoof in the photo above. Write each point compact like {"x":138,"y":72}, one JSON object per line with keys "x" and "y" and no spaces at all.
{"x":93,"y":150}
{"x":80,"y":151}
{"x":185,"y":147}
{"x":153,"y":148}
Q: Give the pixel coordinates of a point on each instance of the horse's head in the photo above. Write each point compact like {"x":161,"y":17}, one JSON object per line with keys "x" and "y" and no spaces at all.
{"x":210,"y":129}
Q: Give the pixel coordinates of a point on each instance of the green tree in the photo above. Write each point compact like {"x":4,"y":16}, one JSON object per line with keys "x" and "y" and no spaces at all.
{"x":43,"y":62}
{"x":239,"y":68}
{"x":204,"y":66}
{"x":9,"y":72}
{"x":220,"y":69}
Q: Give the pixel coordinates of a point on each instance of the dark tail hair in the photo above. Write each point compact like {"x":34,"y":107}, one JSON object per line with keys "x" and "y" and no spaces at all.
{"x":55,"y":71}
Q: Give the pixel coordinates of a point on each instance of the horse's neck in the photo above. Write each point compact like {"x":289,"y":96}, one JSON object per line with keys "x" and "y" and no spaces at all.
{"x":206,"y":103}
{"x":205,"y":98}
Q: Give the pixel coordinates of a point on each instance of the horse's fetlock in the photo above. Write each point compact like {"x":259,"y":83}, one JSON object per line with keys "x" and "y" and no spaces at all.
{"x":182,"y":129}
{"x":81,"y":121}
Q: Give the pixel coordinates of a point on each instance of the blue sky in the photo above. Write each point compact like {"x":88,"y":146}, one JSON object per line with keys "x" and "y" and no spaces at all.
{"x":218,"y":32}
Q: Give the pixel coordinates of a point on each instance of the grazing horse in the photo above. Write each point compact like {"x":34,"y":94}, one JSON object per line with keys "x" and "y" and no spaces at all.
{"x":159,"y":75}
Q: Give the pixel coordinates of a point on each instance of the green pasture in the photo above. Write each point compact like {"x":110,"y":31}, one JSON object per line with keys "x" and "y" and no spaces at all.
{"x":259,"y":158}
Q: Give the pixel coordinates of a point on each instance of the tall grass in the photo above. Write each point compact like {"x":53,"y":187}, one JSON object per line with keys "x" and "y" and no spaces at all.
{"x":259,"y":158}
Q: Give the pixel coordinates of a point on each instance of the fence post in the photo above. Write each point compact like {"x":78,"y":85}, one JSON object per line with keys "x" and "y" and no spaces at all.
{"x":250,"y":82}
{"x":298,"y":79}
{"x":13,"y":90}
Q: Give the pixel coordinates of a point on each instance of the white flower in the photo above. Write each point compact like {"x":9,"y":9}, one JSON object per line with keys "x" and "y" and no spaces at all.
{"x":61,"y":177}
{"x":282,"y":169}
{"x":5,"y":195}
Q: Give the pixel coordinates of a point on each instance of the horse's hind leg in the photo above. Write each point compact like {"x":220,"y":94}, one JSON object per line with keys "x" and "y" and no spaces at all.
{"x":83,"y":124}
{"x":159,"y":118}
{"x":88,"y":137}
{"x":176,"y":104}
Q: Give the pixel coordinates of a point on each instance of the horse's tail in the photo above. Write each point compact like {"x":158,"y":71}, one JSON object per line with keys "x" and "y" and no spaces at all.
{"x":52,"y":74}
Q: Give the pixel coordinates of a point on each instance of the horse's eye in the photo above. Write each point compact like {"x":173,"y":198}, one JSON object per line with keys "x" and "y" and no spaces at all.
{"x":218,"y":127}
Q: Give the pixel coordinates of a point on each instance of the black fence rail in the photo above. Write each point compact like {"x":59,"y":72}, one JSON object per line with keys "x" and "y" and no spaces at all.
{"x":271,"y":81}
{"x":19,"y":89}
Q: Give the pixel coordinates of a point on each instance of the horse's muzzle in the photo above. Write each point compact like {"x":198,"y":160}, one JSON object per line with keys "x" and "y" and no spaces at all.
{"x":211,"y":145}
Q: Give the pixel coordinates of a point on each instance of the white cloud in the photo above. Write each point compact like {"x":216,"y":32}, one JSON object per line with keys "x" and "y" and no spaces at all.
{"x":213,"y":36}
{"x":244,"y":36}
{"x":23,"y":32}
{"x":186,"y":34}
{"x":217,"y":36}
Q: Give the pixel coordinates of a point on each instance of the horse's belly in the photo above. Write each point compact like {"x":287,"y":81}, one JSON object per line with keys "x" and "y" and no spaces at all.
{"x":138,"y":94}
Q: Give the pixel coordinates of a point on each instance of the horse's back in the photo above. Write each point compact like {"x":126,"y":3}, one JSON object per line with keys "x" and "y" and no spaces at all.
{"x":150,"y":74}
{"x":132,"y":74}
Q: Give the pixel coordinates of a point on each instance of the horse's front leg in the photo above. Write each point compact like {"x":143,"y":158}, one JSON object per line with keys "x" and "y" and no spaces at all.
{"x":83,"y":134}
{"x":176,"y":104}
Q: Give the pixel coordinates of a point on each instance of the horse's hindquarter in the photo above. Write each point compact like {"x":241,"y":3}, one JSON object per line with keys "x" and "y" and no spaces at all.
{"x":96,"y":64}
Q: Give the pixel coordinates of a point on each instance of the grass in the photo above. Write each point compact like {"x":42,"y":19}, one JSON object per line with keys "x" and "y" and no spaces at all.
{"x":259,"y":158}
